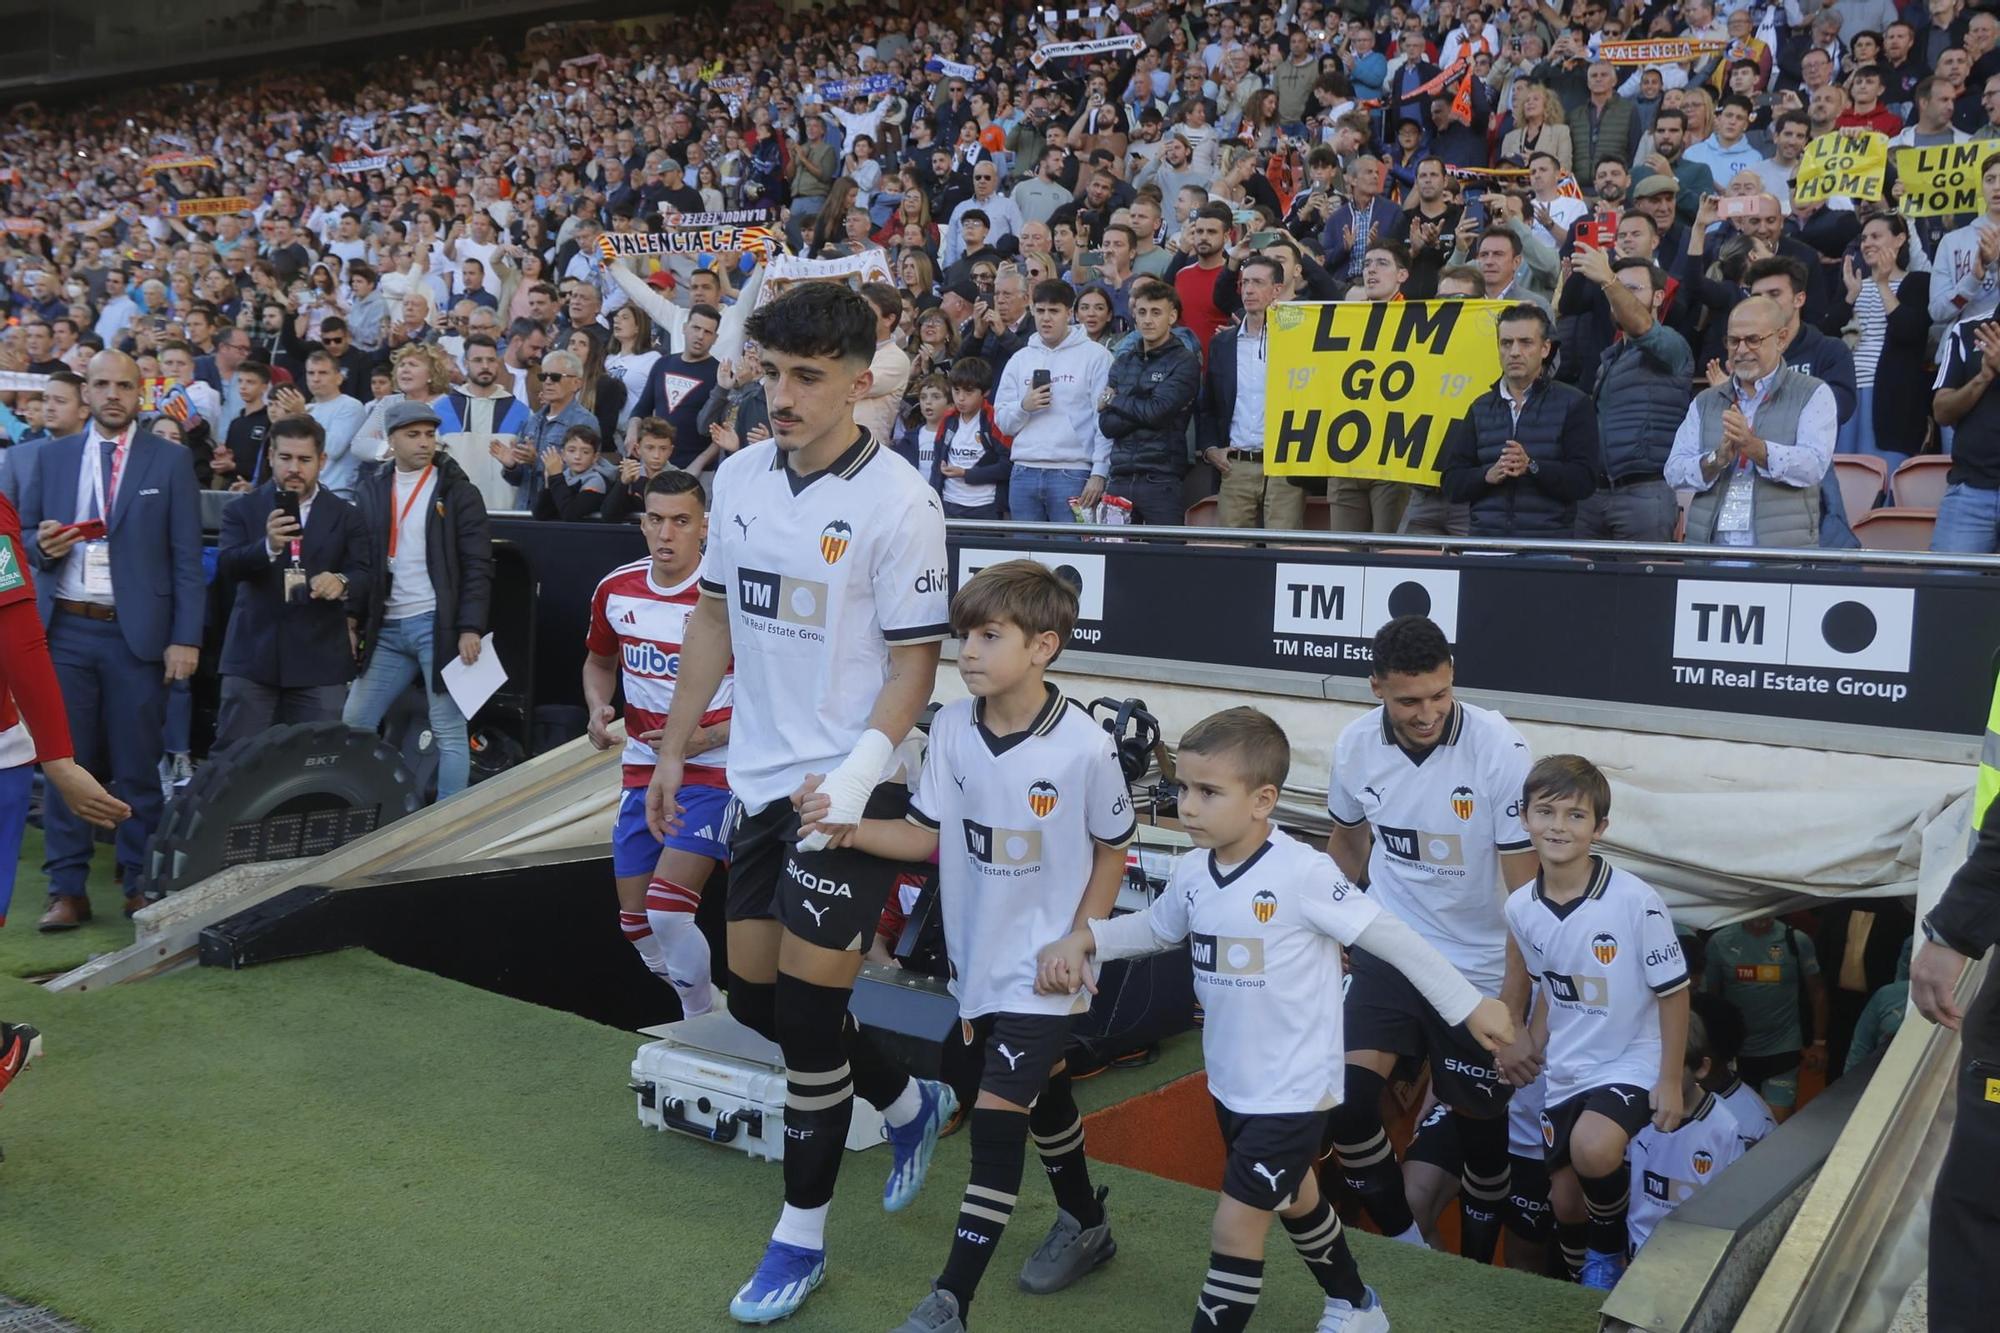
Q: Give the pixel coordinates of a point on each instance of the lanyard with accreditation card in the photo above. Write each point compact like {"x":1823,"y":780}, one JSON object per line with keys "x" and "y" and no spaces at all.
{"x":396,"y":528}
{"x":295,"y":574}
{"x":97,"y":551}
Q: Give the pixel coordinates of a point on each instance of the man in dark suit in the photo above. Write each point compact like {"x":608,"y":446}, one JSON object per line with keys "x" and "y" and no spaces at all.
{"x":124,"y":611}
{"x":289,"y":651}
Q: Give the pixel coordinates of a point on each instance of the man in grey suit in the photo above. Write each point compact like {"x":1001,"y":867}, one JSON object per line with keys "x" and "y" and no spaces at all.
{"x":116,"y":521}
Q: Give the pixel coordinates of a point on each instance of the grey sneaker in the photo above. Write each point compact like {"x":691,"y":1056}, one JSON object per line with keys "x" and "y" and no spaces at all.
{"x":1069,"y":1252}
{"x":935,"y":1313}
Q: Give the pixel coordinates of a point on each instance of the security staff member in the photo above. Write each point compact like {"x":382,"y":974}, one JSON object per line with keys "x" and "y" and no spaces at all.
{"x":1965,"y":1203}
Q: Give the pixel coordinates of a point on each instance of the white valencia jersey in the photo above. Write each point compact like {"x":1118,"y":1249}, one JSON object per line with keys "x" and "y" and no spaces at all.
{"x":821,"y":575}
{"x":1753,"y":1117}
{"x":1440,"y":825}
{"x":643,"y":624}
{"x":1667,"y":1168}
{"x":1019,"y":819}
{"x":1265,"y":939}
{"x":1603,"y":960}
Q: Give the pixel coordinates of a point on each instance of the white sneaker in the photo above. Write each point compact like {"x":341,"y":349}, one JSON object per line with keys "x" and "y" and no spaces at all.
{"x":1340,"y":1317}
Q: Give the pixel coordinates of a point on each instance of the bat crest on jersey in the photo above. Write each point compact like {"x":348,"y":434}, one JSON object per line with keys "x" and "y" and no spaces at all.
{"x":1604,"y":946}
{"x":1548,"y":1130}
{"x":1461,"y":802}
{"x":1704,"y":1162}
{"x":1264,"y":906}
{"x":834,"y":539}
{"x":1042,"y":798}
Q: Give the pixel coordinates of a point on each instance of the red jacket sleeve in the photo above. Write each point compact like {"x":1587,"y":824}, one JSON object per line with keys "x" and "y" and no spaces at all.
{"x":26,"y":673}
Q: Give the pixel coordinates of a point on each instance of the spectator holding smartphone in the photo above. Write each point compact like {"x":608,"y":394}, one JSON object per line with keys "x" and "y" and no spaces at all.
{"x":292,"y":548}
{"x":1047,"y":400}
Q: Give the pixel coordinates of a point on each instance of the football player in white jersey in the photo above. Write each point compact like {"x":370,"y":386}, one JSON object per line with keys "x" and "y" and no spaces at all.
{"x":825,"y":581}
{"x":1265,"y":917}
{"x":637,"y":618}
{"x":1439,"y":784}
{"x":1668,"y":1167}
{"x":1025,"y":806}
{"x":1431,"y":1166}
{"x":1612,"y":1012}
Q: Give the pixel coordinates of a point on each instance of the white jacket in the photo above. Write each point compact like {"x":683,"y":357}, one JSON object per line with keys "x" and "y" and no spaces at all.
{"x":1065,"y":434}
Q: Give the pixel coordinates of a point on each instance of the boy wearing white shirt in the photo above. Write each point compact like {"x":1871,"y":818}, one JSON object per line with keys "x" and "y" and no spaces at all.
{"x":1667,"y":1167}
{"x":1613,"y":1018}
{"x":1026,"y":808}
{"x":1266,"y":917}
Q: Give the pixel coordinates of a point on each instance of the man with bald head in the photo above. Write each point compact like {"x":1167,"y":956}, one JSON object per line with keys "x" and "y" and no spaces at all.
{"x":1754,"y":447}
{"x":116,"y":518}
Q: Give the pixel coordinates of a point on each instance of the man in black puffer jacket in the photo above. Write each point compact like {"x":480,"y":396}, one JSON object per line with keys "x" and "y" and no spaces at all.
{"x":1148,"y":402}
{"x":1526,"y":452}
{"x":430,"y":585}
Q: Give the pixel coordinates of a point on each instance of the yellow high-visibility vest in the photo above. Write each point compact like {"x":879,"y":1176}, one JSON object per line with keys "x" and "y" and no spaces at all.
{"x":1989,"y":766}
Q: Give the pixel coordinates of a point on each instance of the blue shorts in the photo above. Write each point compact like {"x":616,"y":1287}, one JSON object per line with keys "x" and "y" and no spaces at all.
{"x":706,"y":814}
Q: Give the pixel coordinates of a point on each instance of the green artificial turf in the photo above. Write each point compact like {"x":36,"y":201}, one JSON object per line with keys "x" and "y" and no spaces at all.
{"x":342,"y":1143}
{"x":26,"y":952}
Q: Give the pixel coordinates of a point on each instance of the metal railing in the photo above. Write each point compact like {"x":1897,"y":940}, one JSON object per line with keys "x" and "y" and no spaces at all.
{"x":1591,"y":550}
{"x":1675,"y":552}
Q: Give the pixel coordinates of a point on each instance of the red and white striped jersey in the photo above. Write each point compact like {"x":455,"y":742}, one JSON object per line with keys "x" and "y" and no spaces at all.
{"x":641,"y":623}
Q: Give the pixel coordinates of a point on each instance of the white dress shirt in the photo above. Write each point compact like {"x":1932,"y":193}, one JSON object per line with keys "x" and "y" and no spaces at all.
{"x":1801,"y":462}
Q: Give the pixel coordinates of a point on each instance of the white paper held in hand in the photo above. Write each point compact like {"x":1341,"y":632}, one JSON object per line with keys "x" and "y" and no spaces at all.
{"x":471,"y":686}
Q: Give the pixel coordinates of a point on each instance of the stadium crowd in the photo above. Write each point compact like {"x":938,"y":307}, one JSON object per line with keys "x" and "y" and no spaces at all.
{"x":384,"y":305}
{"x":429,"y":227}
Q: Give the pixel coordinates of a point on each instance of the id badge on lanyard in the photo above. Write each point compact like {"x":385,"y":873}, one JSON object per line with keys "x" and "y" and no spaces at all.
{"x":97,"y":568}
{"x":97,"y":554}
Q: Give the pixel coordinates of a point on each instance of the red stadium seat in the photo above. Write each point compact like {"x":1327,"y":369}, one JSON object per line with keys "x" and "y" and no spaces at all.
{"x":1919,"y":483}
{"x":1862,"y":478}
{"x":1205,"y":513}
{"x":1895,"y":529}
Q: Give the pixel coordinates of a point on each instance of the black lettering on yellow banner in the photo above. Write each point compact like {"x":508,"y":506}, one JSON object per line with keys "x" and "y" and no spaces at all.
{"x":1367,"y":389}
{"x":1942,"y":180}
{"x":1849,"y":162}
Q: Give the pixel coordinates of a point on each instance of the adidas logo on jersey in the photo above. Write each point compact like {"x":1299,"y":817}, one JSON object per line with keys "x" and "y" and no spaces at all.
{"x":628,"y":619}
{"x":820,"y":884}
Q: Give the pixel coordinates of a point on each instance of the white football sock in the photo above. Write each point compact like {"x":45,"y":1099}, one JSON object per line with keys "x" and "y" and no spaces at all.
{"x":909,"y":1104}
{"x":803,"y":1227}
{"x":683,"y":948}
